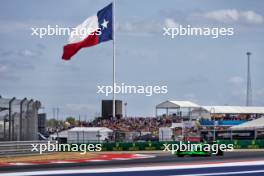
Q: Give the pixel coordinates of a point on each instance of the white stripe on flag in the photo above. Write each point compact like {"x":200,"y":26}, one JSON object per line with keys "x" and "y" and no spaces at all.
{"x":83,"y":30}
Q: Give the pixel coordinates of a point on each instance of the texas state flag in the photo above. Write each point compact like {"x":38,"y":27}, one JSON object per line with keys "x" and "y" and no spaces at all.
{"x":94,"y":30}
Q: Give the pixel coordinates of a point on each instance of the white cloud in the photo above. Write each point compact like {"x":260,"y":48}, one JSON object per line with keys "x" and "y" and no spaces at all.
{"x":258,"y":95}
{"x":3,"y":68}
{"x":24,"y":52}
{"x":170,"y":23}
{"x":9,"y":26}
{"x":237,"y":80}
{"x":79,"y":108}
{"x":85,"y":110}
{"x":66,"y":66}
{"x":13,"y":26}
{"x":28,"y":53}
{"x":6,"y":73}
{"x":140,"y":27}
{"x":128,"y":27}
{"x":190,"y":97}
{"x":260,"y":92}
{"x":233,"y":15}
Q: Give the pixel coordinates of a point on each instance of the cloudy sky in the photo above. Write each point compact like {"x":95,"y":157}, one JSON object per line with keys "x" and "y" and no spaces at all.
{"x":200,"y":69}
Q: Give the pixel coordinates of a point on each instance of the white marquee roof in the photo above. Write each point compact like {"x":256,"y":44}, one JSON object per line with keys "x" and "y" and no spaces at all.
{"x":177,"y":104}
{"x":254,"y":124}
{"x":234,"y":109}
{"x":211,"y":109}
{"x":91,"y":129}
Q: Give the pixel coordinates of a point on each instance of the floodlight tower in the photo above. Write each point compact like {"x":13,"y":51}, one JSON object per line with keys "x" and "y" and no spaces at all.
{"x":249,"y":88}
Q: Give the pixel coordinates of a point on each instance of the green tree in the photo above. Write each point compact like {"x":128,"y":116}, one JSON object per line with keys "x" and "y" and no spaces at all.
{"x":71,"y":120}
{"x":52,"y":123}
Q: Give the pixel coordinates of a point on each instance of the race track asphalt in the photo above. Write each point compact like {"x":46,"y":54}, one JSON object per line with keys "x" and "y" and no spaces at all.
{"x":160,"y":160}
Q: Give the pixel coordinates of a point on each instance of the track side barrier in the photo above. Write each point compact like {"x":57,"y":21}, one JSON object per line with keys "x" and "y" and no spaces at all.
{"x":18,"y":147}
{"x":135,"y":146}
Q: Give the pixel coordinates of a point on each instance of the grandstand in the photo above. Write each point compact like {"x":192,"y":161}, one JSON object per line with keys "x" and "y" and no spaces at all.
{"x":187,"y":120}
{"x":184,"y":119}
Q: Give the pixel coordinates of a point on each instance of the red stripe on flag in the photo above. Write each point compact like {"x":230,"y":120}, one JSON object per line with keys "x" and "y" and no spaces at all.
{"x":71,"y":49}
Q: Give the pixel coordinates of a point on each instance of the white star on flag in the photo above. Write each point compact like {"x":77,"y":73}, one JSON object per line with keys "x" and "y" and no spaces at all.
{"x":105,"y":23}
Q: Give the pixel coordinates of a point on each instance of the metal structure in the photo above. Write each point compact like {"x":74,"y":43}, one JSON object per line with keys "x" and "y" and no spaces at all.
{"x":10,"y":120}
{"x":107,"y":111}
{"x":18,"y":119}
{"x":177,"y":105}
{"x":114,"y":61}
{"x":125,"y":104}
{"x":212,"y":111}
{"x":249,"y":88}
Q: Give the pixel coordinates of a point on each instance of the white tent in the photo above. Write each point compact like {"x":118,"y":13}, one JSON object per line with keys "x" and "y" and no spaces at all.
{"x":61,"y":134}
{"x":88,"y":134}
{"x":234,"y":109}
{"x":177,"y":104}
{"x":251,"y":125}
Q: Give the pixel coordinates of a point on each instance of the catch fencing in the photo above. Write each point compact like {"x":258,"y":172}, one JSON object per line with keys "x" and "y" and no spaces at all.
{"x":18,"y":147}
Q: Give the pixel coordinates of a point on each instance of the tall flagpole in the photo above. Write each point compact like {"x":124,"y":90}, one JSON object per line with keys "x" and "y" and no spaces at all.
{"x":113,"y":26}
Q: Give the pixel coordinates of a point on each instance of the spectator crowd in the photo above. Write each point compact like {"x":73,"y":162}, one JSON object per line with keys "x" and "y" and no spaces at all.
{"x":142,"y":124}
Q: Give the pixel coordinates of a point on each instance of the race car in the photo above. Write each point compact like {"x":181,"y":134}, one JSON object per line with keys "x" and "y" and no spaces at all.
{"x":200,"y":150}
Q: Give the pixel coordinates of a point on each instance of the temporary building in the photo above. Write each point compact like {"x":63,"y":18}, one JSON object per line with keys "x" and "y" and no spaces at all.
{"x":250,"y":125}
{"x":234,"y":109}
{"x":88,"y":134}
{"x":165,"y":134}
{"x":177,"y":105}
